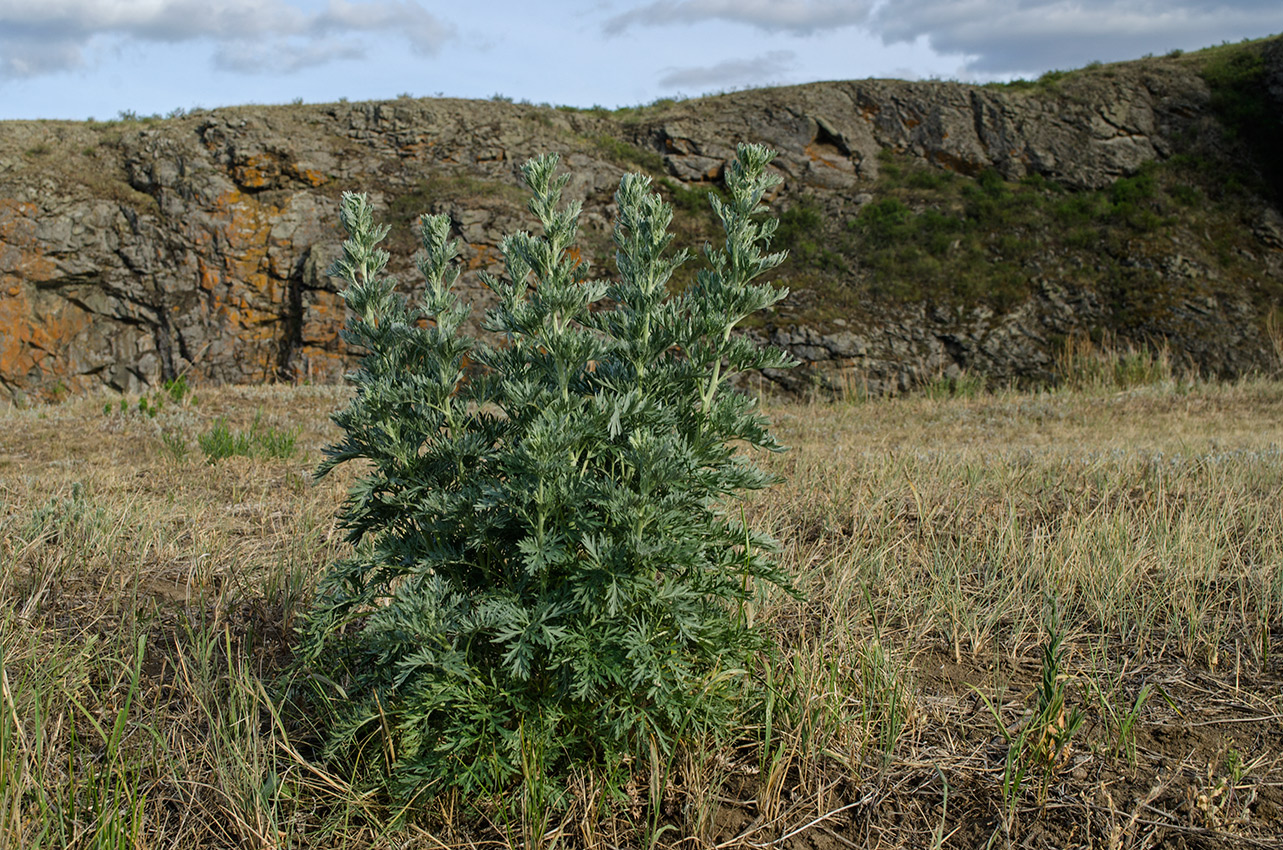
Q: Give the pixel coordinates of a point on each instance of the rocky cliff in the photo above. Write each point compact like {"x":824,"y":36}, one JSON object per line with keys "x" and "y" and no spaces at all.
{"x":934,"y":226}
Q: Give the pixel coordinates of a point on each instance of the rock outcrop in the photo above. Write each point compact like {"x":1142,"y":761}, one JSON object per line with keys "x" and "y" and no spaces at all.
{"x":134,"y":251}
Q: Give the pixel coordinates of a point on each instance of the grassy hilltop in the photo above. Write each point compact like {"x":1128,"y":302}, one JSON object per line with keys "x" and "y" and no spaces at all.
{"x":934,"y":227}
{"x":936,"y":234}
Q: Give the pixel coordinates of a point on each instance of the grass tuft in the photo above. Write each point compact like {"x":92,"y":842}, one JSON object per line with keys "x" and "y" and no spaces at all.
{"x":220,"y":441}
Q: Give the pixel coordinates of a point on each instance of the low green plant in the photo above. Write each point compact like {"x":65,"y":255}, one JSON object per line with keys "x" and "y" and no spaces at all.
{"x":274,"y":442}
{"x":64,"y":518}
{"x":972,"y":247}
{"x":885,"y":707}
{"x":1185,"y":195}
{"x":1126,"y":724}
{"x":1274,"y":334}
{"x":626,"y":154}
{"x":1055,"y":721}
{"x":963,"y":384}
{"x":111,"y":792}
{"x":92,"y":793}
{"x":405,"y":207}
{"x":175,"y":391}
{"x":939,"y":237}
{"x":178,"y":389}
{"x":1043,"y":741}
{"x":220,"y":441}
{"x":175,"y":444}
{"x":694,"y":199}
{"x":546,"y":579}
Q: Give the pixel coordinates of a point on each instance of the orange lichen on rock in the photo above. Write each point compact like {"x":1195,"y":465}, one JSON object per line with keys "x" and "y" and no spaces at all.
{"x":321,"y":357}
{"x":242,"y":294}
{"x":264,"y":171}
{"x":35,"y":345}
{"x":827,"y":156}
{"x":257,"y":172}
{"x":322,"y":319}
{"x":415,"y":150}
{"x":310,"y":176}
{"x":483,"y":258}
{"x":247,"y":234}
{"x":36,"y":349}
{"x":208,"y":277}
{"x":20,"y":256}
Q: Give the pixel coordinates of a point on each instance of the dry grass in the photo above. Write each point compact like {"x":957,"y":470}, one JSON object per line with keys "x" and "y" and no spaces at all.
{"x":147,"y":602}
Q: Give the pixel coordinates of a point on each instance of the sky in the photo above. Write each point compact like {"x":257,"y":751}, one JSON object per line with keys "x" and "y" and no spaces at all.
{"x":83,"y":59}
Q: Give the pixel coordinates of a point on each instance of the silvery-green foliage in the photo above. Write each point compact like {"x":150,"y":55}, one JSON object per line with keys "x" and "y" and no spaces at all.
{"x":546,"y":560}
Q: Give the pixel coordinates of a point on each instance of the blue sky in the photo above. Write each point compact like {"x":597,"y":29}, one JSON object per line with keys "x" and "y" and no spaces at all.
{"x":94,"y":58}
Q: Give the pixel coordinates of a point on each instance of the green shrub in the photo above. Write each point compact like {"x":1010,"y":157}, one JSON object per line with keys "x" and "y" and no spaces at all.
{"x":885,"y":222}
{"x":962,"y":385}
{"x":1134,"y":189}
{"x":992,"y":184}
{"x":547,"y":576}
{"x":801,"y":221}
{"x":1083,"y":364}
{"x":1186,"y":195}
{"x":931,"y":179}
{"x":801,"y":232}
{"x":1240,"y":97}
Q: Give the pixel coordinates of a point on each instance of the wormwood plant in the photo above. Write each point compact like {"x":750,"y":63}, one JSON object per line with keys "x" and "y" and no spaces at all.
{"x":547,"y":575}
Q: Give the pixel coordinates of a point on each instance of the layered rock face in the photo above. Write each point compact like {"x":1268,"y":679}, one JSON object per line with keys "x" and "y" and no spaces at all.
{"x":132,"y":252}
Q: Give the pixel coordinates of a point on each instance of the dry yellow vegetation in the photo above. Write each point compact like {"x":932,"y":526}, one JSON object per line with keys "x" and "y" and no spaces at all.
{"x":147,"y":600}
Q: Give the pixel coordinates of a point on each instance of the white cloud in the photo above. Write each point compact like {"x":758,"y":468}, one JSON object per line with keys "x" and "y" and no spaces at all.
{"x":151,"y":20}
{"x":798,"y":17}
{"x":282,"y":57}
{"x":731,"y":72}
{"x":425,"y":32}
{"x":20,"y":59}
{"x":53,"y":35}
{"x":992,"y":37}
{"x":1002,"y":36}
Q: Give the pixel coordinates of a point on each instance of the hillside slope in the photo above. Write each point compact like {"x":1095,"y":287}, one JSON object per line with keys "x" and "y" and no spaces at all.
{"x":933,"y":227}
